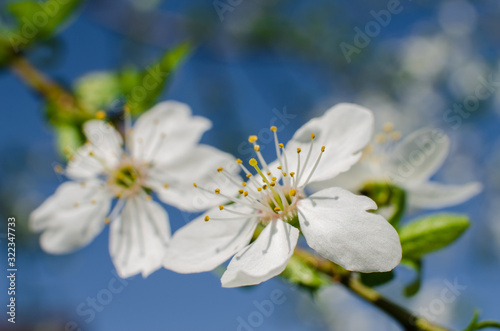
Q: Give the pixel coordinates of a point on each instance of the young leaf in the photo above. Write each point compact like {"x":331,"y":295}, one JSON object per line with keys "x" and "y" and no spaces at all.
{"x":299,"y":273}
{"x":476,"y":325}
{"x":413,"y":288}
{"x":142,"y":89}
{"x":377,"y":278}
{"x":431,"y":233}
{"x":38,"y":20}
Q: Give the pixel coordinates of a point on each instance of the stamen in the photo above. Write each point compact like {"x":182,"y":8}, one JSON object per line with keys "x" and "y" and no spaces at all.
{"x":221,"y":207}
{"x":252,"y":139}
{"x":292,"y":192}
{"x":388,"y":127}
{"x":100,"y":115}
{"x":207,"y":218}
{"x":314,"y":167}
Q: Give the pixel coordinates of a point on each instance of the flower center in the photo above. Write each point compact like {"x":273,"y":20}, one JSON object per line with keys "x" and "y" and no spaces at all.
{"x":376,"y":153}
{"x":271,"y":193}
{"x":127,"y":179}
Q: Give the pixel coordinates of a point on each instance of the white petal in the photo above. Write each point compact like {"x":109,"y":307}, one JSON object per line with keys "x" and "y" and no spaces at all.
{"x":166,"y":131}
{"x":84,"y":166}
{"x":431,"y":195}
{"x":198,"y":166}
{"x":344,"y":130}
{"x":265,"y":258}
{"x":418,"y":156}
{"x":72,"y":217}
{"x":139,"y":237}
{"x":107,"y":142}
{"x":201,"y":246}
{"x":353,"y":180}
{"x":336,"y":224}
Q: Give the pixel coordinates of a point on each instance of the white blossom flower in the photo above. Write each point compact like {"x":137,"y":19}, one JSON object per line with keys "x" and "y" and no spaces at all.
{"x":408,"y":164}
{"x":161,"y":155}
{"x":335,"y":222}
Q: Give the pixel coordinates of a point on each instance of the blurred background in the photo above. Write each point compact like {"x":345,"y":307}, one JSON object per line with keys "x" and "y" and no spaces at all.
{"x":253,"y":62}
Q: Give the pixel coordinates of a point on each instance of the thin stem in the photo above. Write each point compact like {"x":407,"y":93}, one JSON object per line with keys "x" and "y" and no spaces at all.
{"x":50,"y":90}
{"x":408,"y":320}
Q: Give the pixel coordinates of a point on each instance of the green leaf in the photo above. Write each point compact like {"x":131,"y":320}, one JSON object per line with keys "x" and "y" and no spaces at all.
{"x":376,"y":278}
{"x":97,"y":90}
{"x":38,"y":20}
{"x":69,"y":139}
{"x":431,"y":233}
{"x":300,"y":273}
{"x":142,"y":89}
{"x":386,"y":195}
{"x":476,"y":325}
{"x":413,"y":288}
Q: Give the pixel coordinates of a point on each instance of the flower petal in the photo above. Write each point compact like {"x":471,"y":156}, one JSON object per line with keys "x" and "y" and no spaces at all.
{"x":174,"y":182}
{"x":265,"y":258}
{"x":418,"y":156}
{"x":353,"y":180}
{"x":336,"y":224}
{"x":201,"y":246}
{"x":431,"y":195}
{"x":72,"y":217}
{"x":166,"y":131}
{"x":344,"y":130}
{"x":138,"y":237}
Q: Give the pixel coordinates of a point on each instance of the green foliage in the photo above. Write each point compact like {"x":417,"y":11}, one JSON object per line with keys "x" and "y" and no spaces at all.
{"x":413,"y":288}
{"x":387,"y":195}
{"x":476,"y":325}
{"x":300,"y":273}
{"x":431,"y":233}
{"x":377,"y":278}
{"x":97,"y":90}
{"x":143,"y":87}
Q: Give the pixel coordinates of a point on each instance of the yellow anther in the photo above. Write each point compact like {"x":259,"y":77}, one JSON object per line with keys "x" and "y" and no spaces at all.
{"x":281,"y":145}
{"x":380,"y":138}
{"x":292,"y":192}
{"x":313,"y":136}
{"x":259,"y":189}
{"x":239,"y":161}
{"x":292,"y":174}
{"x":165,"y":186}
{"x":252,"y":139}
{"x":269,"y":173}
{"x":119,"y":195}
{"x":221,"y":207}
{"x":83,"y":184}
{"x":256,"y":148}
{"x":264,"y":186}
{"x":58,"y":169}
{"x":272,"y":184}
{"x":156,"y":121}
{"x":322,"y":149}
{"x":195,"y":185}
{"x":279,"y":167}
{"x":207,"y":218}
{"x":284,"y":174}
{"x":273,"y":179}
{"x":277,"y":209}
{"x":388,"y":127}
{"x":299,"y":150}
{"x":149,"y":198}
{"x":253,"y":162}
{"x":66,"y":150}
{"x":245,"y":193}
{"x":126,"y":108}
{"x":76,"y":204}
{"x":220,"y":169}
{"x":217,"y":191}
{"x":274,"y":129}
{"x":107,"y":220}
{"x":249,"y":175}
{"x":243,"y":184}
{"x":396,"y":135}
{"x":91,"y":153}
{"x":93,"y":201}
{"x":100,"y":115}
{"x":240,"y":191}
